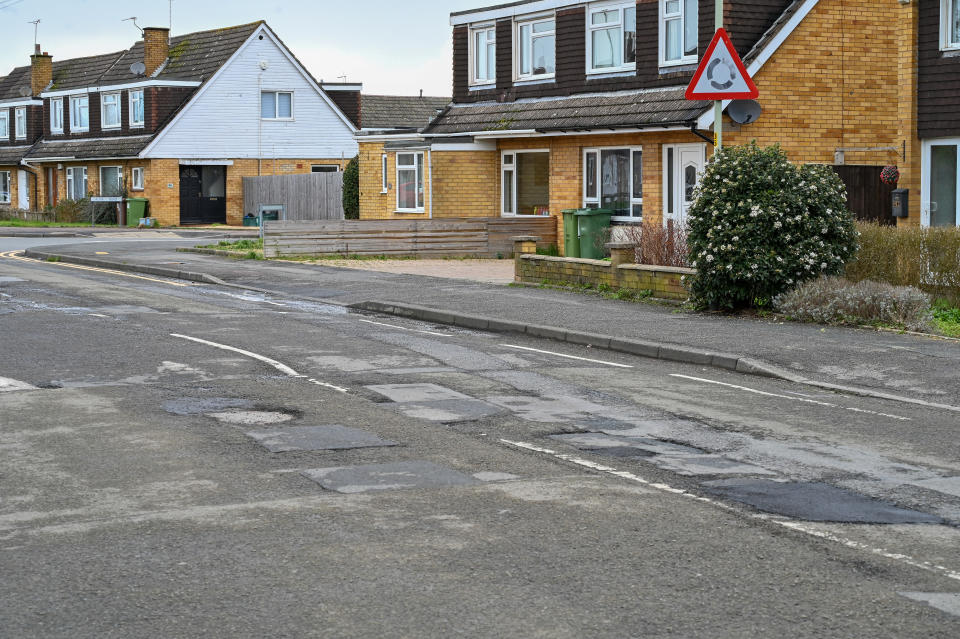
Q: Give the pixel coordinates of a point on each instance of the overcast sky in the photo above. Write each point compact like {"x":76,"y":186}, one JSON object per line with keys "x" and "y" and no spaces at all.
{"x":393,"y":47}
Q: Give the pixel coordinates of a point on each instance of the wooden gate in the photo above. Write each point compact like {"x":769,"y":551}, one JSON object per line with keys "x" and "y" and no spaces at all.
{"x":305,"y":197}
{"x":869,"y":198}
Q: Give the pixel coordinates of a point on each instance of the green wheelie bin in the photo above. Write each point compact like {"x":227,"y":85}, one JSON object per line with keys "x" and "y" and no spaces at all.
{"x":591,"y":226}
{"x":136,"y":210}
{"x":571,"y":240}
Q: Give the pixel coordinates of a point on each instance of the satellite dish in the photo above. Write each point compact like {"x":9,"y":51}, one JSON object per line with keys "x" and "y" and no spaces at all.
{"x":138,"y":68}
{"x":744,"y":111}
{"x":25,"y":92}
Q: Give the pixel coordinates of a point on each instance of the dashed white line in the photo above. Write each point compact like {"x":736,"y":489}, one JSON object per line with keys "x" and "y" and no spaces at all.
{"x":404,"y":328}
{"x":792,"y":398}
{"x":582,"y":359}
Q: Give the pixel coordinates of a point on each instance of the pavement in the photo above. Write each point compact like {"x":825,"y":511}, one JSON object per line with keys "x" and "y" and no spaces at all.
{"x":114,"y":231}
{"x":914,"y":368}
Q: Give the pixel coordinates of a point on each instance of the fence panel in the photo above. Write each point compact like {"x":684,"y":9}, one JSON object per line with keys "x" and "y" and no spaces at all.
{"x":870,"y":199}
{"x":311,"y":196}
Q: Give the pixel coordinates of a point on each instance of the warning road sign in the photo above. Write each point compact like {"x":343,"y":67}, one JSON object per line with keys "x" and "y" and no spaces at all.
{"x":721,"y":74}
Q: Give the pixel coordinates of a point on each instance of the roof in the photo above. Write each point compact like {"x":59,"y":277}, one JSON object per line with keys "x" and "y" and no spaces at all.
{"x":774,"y":30}
{"x":632,"y":110}
{"x":12,"y":154}
{"x":503,"y":5}
{"x":80,"y":73}
{"x":11,"y":84}
{"x":384,"y":112}
{"x":101,"y":148}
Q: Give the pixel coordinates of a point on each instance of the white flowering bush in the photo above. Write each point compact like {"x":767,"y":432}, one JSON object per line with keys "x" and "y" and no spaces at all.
{"x":834,"y":300}
{"x":760,"y":226}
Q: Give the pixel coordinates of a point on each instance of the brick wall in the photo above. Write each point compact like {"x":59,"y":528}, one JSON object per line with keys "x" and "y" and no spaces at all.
{"x":466,"y":184}
{"x":662,"y":281}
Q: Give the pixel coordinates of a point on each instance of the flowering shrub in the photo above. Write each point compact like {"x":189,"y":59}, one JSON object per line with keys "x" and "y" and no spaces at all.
{"x":760,"y":226}
{"x":834,"y":300}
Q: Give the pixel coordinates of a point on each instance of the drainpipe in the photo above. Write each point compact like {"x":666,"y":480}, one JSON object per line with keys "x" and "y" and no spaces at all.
{"x":430,"y":178}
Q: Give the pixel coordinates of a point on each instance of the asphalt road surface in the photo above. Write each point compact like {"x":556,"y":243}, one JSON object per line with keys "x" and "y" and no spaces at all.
{"x":179,"y":460}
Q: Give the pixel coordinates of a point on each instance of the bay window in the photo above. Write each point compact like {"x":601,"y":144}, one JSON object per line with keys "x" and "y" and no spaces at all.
{"x":276,"y":105}
{"x":678,"y":31}
{"x":525,"y":182}
{"x":79,"y":114}
{"x":410,"y":194}
{"x":56,"y":115}
{"x":20,"y":119}
{"x":483,"y":52}
{"x":4,"y":187}
{"x":110,"y":110}
{"x":613,"y":180}
{"x":111,"y":181}
{"x":76,"y":182}
{"x":536,"y":49}
{"x":950,"y":24}
{"x":136,"y":108}
{"x":612,"y":37}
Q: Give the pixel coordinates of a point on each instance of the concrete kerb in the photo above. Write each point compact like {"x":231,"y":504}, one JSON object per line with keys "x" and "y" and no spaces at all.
{"x":129,"y":268}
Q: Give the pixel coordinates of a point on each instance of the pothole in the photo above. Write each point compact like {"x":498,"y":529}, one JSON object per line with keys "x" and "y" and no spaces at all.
{"x":202,"y":405}
{"x":251,"y":417}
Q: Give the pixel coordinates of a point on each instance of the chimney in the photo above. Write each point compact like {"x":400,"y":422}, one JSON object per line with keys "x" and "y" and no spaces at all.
{"x":41,"y":71}
{"x":156,"y":48}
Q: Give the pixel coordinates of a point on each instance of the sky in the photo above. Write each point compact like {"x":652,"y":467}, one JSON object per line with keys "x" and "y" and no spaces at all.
{"x":393,"y":47}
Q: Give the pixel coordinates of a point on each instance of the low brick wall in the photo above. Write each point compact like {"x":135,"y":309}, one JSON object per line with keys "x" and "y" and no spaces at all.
{"x":664,"y":282}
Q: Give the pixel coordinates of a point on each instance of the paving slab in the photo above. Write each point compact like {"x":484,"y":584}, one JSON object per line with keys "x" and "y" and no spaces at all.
{"x":449,"y":411}
{"x":393,"y":476}
{"x":307,"y":438}
{"x":416,"y":392}
{"x":948,"y":602}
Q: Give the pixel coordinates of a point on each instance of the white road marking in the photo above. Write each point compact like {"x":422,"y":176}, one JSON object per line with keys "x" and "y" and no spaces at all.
{"x":404,"y":328}
{"x":798,"y":526}
{"x":8,"y":385}
{"x":582,"y":359}
{"x":792,"y":398}
{"x":98,"y":315}
{"x":283,"y":368}
{"x":18,"y":256}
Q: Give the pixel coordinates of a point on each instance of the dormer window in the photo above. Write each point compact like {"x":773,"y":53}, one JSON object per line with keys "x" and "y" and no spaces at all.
{"x":56,"y":115}
{"x":110,"y":111}
{"x":4,"y":125}
{"x":536,"y":49}
{"x":612,"y":37}
{"x":79,"y":114}
{"x":136,"y":108}
{"x":483,"y":54}
{"x":679,"y":26}
{"x":20,"y":119}
{"x":950,"y":24}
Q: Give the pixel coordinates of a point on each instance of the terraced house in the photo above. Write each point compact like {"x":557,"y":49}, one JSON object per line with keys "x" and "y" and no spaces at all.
{"x":179,"y":121}
{"x":560,"y":105}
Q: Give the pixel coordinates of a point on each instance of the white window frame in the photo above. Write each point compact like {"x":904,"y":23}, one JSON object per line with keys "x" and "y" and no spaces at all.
{"x":664,"y":18}
{"x":595,"y":202}
{"x":4,"y":125}
{"x":419,"y":177}
{"x":119,"y":178}
{"x":5,"y":188}
{"x":72,"y":176}
{"x":384,"y":163}
{"x":56,"y":115}
{"x":948,"y":41}
{"x":926,"y":185}
{"x":518,"y":24}
{"x":601,"y":7}
{"x":103,"y":110}
{"x":79,"y":104}
{"x":276,"y":105}
{"x":20,"y":123}
{"x":504,"y":167}
{"x":476,"y":30}
{"x":136,"y":178}
{"x":131,"y":95}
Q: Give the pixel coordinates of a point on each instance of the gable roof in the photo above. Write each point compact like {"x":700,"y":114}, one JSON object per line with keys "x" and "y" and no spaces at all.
{"x":382,"y":112}
{"x":11,"y":84}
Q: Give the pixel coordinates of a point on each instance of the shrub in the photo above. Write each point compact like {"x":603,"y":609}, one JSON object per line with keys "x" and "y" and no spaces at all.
{"x":926,"y":258}
{"x":658,"y":244}
{"x":71,"y":211}
{"x":351,"y":190}
{"x":760,"y":225}
{"x":835,"y":300}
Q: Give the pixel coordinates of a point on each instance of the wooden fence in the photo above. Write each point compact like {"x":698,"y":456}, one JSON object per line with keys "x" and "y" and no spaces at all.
{"x":447,"y":237}
{"x":870,"y":199}
{"x":311,"y":196}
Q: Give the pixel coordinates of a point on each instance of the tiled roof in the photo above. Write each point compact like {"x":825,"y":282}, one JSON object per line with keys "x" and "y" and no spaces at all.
{"x":11,"y":85}
{"x":399,"y":112}
{"x":772,"y":32}
{"x":80,"y":73}
{"x":12,"y":154}
{"x":636,"y":109}
{"x":103,"y":148}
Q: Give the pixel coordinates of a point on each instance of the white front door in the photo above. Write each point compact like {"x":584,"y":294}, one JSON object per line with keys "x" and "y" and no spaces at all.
{"x":683,"y":165}
{"x":940,"y":198}
{"x":23,"y":191}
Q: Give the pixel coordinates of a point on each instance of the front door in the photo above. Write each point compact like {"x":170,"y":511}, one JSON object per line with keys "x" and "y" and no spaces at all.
{"x":683,"y":165}
{"x":203,"y":195}
{"x":941,"y":197}
{"x":23,"y":191}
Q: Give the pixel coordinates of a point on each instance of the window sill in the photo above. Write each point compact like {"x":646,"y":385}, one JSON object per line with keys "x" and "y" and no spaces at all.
{"x":411,"y":212}
{"x":278,"y":119}
{"x":483,"y":87}
{"x":544,"y":79}
{"x":678,"y":67}
{"x":60,"y":132}
{"x":136,"y":126}
{"x":112,"y":127}
{"x":950,"y":52}
{"x":79,"y":131}
{"x":611,"y":73}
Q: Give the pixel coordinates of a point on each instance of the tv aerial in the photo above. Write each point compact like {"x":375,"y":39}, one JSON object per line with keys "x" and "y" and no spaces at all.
{"x":744,"y":111}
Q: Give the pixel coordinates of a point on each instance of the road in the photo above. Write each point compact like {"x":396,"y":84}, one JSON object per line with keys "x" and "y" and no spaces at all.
{"x":183,"y":460}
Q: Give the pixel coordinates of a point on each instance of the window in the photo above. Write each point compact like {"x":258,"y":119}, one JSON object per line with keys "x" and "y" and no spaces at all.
{"x":79,"y":114}
{"x":110,"y":110}
{"x":276,"y":105}
{"x":4,"y":187}
{"x":324,"y":168}
{"x":20,"y":118}
{"x":4,"y":124}
{"x":76,"y":182}
{"x":613,"y":180}
{"x":678,"y":31}
{"x":950,"y":24}
{"x":941,"y":196}
{"x":483,"y":52}
{"x":136,"y":178}
{"x":612,"y":38}
{"x":136,"y":108}
{"x":410,"y":182}
{"x":526,"y":183}
{"x":536,"y":53}
{"x":111,"y":181}
{"x":56,"y":115}
{"x":385,"y":185}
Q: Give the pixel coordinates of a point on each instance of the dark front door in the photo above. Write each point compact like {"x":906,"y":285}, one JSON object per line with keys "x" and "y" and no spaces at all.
{"x":203,"y":195}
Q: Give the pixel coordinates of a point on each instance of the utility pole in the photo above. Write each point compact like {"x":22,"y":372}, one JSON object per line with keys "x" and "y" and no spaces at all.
{"x":718,"y":105}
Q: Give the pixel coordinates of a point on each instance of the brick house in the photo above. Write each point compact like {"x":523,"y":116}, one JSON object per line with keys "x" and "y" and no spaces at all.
{"x":560,"y":105}
{"x":179,"y":121}
{"x":21,"y":125}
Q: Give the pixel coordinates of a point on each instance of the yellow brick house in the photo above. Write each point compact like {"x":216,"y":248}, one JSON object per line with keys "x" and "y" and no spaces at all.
{"x":561,"y":105}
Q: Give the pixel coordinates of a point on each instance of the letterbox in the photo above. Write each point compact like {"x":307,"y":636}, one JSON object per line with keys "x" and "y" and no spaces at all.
{"x":901,"y":202}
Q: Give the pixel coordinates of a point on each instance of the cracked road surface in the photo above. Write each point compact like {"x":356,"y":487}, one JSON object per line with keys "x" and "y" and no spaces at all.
{"x":183,"y":460}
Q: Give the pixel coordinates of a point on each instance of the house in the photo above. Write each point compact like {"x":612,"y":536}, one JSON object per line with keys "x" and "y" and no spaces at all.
{"x":21,"y":125}
{"x":179,"y":121}
{"x":563,"y":105}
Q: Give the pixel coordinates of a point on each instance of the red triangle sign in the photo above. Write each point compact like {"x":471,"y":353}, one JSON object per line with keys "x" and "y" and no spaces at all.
{"x":721,"y":74}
